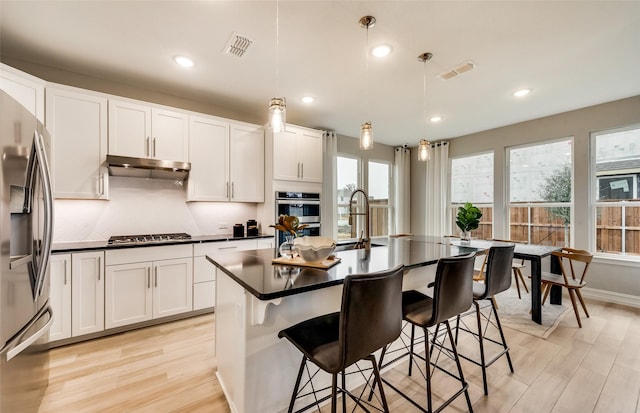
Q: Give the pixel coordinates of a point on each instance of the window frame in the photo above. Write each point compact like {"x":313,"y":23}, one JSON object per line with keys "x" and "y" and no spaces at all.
{"x":359,"y":184}
{"x":389,"y":205}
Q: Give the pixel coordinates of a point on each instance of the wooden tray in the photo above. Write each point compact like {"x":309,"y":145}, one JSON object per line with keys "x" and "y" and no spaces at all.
{"x":299,"y":262}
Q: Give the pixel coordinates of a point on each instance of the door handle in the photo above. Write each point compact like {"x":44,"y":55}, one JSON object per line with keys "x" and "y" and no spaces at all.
{"x":29,"y":341}
{"x":148,"y":149}
{"x":155,"y":270}
{"x":99,"y":269}
{"x":301,"y":170}
{"x":148,"y":277}
{"x":233,"y":192}
{"x":65,"y":272}
{"x":154,"y":147}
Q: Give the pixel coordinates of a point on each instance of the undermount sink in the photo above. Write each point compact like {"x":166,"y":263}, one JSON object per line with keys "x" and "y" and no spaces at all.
{"x":351,"y":245}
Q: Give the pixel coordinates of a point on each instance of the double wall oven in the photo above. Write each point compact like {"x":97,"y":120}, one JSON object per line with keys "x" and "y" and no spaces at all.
{"x":304,"y":205}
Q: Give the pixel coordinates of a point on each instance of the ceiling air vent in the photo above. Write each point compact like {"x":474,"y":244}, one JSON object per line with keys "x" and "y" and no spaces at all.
{"x":237,"y":45}
{"x":453,"y":72}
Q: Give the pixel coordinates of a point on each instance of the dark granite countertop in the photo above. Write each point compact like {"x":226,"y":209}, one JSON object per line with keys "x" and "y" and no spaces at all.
{"x":79,"y":246}
{"x":254,"y":271}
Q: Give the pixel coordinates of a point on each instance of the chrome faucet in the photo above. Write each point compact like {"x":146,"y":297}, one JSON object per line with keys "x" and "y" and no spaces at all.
{"x":363,"y":243}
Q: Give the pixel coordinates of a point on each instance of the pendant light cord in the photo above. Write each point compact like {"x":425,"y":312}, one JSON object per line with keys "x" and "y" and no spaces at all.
{"x":424,"y":99}
{"x":278,"y":48}
{"x":366,"y":78}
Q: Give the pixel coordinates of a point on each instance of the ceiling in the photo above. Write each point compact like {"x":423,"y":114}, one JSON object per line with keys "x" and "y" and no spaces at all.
{"x":572,"y":54}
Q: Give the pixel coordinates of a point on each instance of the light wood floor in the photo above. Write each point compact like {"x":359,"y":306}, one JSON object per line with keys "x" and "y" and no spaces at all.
{"x":170,"y":368}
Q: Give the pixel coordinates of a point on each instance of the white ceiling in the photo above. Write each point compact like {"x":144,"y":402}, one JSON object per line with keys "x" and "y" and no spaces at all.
{"x":571,"y":53}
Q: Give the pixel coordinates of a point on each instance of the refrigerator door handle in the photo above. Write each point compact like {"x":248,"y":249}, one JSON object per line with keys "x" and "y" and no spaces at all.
{"x":17,"y":349}
{"x":43,"y":166}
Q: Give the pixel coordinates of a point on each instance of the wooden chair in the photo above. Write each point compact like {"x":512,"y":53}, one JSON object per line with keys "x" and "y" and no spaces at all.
{"x":571,"y":278}
{"x":517,"y":268}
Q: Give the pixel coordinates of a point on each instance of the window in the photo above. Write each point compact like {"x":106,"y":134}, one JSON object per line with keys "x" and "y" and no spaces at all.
{"x":472,"y":181}
{"x":540,"y":193}
{"x":379,"y":197}
{"x":616,"y":174}
{"x":347,"y":182}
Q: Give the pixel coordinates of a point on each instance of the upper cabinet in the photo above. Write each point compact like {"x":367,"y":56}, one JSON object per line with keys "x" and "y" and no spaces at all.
{"x":297,"y":155}
{"x":77,"y":121}
{"x":143,"y":131}
{"x":227,"y":161}
{"x":26,"y":89}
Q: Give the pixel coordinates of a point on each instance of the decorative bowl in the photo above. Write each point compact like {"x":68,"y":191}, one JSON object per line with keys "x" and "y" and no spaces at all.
{"x":314,"y":249}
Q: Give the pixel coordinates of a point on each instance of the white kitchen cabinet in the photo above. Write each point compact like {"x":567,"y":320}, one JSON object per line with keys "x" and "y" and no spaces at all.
{"x":140,"y":130}
{"x":297,"y":155}
{"x":87,"y":281}
{"x":265,"y":243}
{"x":60,"y":296}
{"x":209,"y":157}
{"x":204,"y":273}
{"x":246,"y":163}
{"x":227,"y":161}
{"x":26,"y":89}
{"x":77,"y":122}
{"x":147,"y":283}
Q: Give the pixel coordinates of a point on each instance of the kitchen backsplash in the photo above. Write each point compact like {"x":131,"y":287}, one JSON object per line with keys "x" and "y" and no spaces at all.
{"x":144,"y":206}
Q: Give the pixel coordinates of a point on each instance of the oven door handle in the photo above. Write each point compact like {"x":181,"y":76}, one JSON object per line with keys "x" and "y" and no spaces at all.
{"x":297,"y":202}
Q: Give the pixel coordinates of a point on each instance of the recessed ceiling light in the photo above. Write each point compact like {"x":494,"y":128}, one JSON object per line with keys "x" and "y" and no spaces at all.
{"x":183,"y":61}
{"x":308,"y":99}
{"x":436,"y":118}
{"x":381,"y":51}
{"x":522,"y":92}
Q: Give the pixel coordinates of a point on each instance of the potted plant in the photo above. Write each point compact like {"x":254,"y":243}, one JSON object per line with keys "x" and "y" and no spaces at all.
{"x":467,"y":220}
{"x":289,"y":225}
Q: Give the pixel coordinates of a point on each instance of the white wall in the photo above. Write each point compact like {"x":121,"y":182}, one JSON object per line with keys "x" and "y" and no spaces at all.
{"x":617,"y":276}
{"x":144,"y":206}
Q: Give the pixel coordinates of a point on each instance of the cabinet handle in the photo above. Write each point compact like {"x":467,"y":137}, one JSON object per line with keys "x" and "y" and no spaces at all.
{"x":101,"y":184}
{"x":228,"y":248}
{"x":65,"y":272}
{"x":227,"y":196}
{"x":155,"y":270}
{"x":154,"y":147}
{"x":148,"y":150}
{"x":148,"y":277}
{"x":233,"y":192}
{"x":298,"y":174}
{"x":99,"y":267}
{"x":301,"y":170}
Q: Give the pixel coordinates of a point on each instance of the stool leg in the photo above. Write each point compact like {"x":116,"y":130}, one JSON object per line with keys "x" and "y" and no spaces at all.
{"x":455,"y":355}
{"x":481,"y":341}
{"x":504,"y":341}
{"x":334,"y":391}
{"x":413,"y":330}
{"x":344,"y":395}
{"x":427,"y":356}
{"x":378,"y":380}
{"x":295,"y":388}
{"x":515,"y":276}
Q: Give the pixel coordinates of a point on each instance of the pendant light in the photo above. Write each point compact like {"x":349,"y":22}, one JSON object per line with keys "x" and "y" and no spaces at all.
{"x":423,"y":147}
{"x":366,"y":131}
{"x":278,"y":105}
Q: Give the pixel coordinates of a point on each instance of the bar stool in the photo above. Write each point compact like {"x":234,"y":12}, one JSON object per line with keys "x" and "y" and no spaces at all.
{"x":452,"y":295}
{"x":370,"y":318}
{"x":498,"y":279}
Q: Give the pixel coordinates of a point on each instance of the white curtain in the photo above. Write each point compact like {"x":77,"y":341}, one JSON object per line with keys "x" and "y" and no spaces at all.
{"x":328,"y":210}
{"x":437,"y":214}
{"x":402,"y":196}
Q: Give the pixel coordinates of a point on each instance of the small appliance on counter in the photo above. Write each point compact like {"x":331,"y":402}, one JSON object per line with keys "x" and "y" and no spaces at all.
{"x":252,"y":228}
{"x":238,"y":231}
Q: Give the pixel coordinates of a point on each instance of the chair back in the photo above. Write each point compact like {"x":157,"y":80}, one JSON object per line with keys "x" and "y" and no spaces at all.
{"x":498,"y":276}
{"x":453,"y":287}
{"x":571,"y":256}
{"x":371,"y":315}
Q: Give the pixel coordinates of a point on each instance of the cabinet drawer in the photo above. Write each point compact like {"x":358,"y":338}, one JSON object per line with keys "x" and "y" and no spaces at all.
{"x":129,"y":255}
{"x":215,"y":247}
{"x":203,"y":270}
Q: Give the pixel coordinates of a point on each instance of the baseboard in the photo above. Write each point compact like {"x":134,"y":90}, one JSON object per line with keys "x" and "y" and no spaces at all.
{"x":612,"y":297}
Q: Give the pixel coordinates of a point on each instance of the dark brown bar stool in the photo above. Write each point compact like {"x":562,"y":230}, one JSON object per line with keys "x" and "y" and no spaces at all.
{"x":370,"y":318}
{"x":498,"y":279}
{"x":452,"y":295}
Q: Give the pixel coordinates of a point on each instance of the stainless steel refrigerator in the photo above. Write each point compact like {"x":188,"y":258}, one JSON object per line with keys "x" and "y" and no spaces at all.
{"x":26,"y":228}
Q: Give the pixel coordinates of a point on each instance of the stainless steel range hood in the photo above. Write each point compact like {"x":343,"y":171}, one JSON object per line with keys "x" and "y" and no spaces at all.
{"x":147,"y":168}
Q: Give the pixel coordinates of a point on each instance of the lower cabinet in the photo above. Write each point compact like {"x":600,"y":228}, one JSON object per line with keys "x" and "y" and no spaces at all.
{"x":204,"y":273}
{"x":77,"y":294}
{"x":141,"y":287}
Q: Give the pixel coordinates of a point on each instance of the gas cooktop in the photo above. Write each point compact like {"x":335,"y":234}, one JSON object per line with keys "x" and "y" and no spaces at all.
{"x":148,"y":239}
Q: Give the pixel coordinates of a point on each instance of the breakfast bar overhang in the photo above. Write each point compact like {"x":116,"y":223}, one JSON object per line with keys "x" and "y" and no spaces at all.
{"x":256,"y":299}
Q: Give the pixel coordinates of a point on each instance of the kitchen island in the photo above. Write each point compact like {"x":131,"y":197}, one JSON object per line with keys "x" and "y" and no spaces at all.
{"x":255,"y":299}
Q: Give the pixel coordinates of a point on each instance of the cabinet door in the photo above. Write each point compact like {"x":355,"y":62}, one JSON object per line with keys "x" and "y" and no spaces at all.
{"x":310,"y":156}
{"x":88,"y":292}
{"x":172,"y":287}
{"x":246,"y":160}
{"x":169,"y":135}
{"x":26,"y":89}
{"x":128,"y":294}
{"x":78,"y":126}
{"x":285,"y":159}
{"x":129,"y":129}
{"x":209,"y":157}
{"x":60,"y":296}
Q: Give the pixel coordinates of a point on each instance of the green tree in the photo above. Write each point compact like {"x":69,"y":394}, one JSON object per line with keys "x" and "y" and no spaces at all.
{"x":557,"y":188}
